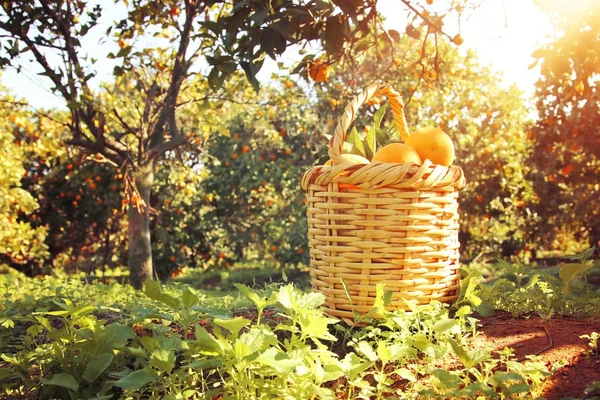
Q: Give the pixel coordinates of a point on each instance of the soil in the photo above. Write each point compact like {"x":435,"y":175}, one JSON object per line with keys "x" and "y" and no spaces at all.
{"x":552,"y":340}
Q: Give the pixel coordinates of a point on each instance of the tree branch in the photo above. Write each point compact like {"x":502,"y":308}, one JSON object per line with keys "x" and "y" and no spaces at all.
{"x":167,"y":115}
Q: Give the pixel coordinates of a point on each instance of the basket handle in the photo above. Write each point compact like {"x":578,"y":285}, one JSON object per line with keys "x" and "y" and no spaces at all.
{"x":375,"y":89}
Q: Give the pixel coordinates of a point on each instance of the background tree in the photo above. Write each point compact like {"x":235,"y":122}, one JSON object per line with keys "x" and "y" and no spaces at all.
{"x":224,"y":32}
{"x":567,"y":132}
{"x":20,"y":242}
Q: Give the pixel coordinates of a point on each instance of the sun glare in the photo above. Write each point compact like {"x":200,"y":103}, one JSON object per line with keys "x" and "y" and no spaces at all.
{"x":502,"y":33}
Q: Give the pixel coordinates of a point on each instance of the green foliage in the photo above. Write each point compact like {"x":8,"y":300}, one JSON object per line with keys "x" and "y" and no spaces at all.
{"x":20,"y":242}
{"x":566,"y":160}
{"x":561,"y":290}
{"x":254,"y":203}
{"x":172,"y":342}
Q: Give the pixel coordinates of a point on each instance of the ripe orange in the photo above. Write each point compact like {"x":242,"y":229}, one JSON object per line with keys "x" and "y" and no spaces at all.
{"x":458,"y":40}
{"x":319,"y":71}
{"x":399,"y":153}
{"x":433,"y":144}
{"x":245,"y":149}
{"x":288,"y":151}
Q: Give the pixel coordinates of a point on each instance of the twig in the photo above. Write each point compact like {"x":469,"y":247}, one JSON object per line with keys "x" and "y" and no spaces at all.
{"x":537,"y":353}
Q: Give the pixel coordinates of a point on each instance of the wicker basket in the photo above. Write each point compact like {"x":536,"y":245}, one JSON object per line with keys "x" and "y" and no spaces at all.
{"x":381,"y":222}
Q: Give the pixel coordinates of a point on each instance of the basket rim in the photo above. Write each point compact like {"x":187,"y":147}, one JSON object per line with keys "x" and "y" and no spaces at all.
{"x":376,"y":175}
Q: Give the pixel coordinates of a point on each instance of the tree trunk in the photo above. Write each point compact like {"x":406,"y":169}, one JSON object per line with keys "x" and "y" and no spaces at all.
{"x":140,"y":246}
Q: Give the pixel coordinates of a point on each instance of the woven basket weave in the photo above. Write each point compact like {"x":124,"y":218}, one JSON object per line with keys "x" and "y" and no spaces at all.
{"x":381,"y":222}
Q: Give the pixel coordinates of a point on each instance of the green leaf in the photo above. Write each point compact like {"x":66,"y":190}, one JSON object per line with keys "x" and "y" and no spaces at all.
{"x":366,"y":349}
{"x":114,"y":336}
{"x":163,"y":360}
{"x":448,"y":379}
{"x":97,"y":366}
{"x":382,"y":297}
{"x":136,"y":380}
{"x":250,"y":294}
{"x":208,"y":343}
{"x":443,"y":325}
{"x":357,"y":144}
{"x":384,"y":353}
{"x":272,"y":42}
{"x":485,"y":309}
{"x":210,"y":363}
{"x":463,"y":311}
{"x":502,"y":377}
{"x":124,"y":51}
{"x":153,"y":290}
{"x":83,"y":310}
{"x":250,"y":75}
{"x":519,"y":388}
{"x":316,"y":326}
{"x":335,"y":32}
{"x":279,"y":361}
{"x":256,"y":339}
{"x":63,"y":380}
{"x":215,"y":79}
{"x":474,"y":389}
{"x":463,"y":356}
{"x":370,"y":141}
{"x":353,"y":365}
{"x":232,"y":325}
{"x":570,"y":271}
{"x":583,"y":255}
{"x":532,"y":281}
{"x":7,"y":323}
{"x":188,"y":298}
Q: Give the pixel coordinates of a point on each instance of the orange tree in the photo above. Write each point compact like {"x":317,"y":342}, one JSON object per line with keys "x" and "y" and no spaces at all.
{"x":567,"y":132}
{"x":486,"y":122}
{"x":225,"y":37}
{"x":80,"y":203}
{"x":252,"y":177}
{"x":21,"y":243}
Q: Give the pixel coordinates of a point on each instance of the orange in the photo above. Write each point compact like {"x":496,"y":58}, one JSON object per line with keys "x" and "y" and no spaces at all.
{"x":458,"y":40}
{"x":318,"y":71}
{"x":433,"y":144}
{"x":399,"y":153}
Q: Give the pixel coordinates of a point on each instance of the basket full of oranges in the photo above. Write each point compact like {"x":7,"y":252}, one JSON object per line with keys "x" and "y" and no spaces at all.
{"x":391,"y":221}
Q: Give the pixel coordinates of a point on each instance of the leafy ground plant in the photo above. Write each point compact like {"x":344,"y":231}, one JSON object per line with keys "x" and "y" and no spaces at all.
{"x":62,"y":338}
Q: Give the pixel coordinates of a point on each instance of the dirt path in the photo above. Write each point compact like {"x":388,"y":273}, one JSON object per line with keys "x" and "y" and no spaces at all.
{"x":554,"y":340}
